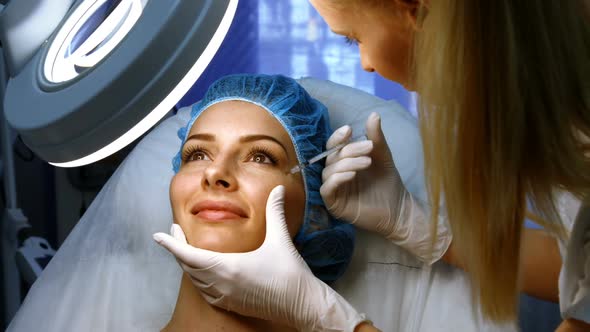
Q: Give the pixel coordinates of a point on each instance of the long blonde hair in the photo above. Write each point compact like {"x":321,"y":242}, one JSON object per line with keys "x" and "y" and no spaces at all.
{"x":505,"y":115}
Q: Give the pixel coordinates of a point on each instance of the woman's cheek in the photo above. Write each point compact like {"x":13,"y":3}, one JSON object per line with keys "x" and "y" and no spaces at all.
{"x":176,"y":189}
{"x":182,"y":187}
{"x":258,"y":189}
{"x":294,"y":201}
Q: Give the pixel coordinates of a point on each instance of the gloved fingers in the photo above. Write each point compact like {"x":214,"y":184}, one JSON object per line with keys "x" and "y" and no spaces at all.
{"x":208,"y":288}
{"x":373,"y":127}
{"x":202,"y":278}
{"x":216,"y":300}
{"x":276,"y":228}
{"x":178,"y":233}
{"x":346,"y":165}
{"x":208,"y":297}
{"x":375,"y":134}
{"x":352,"y":150}
{"x":187,"y":254}
{"x":340,"y":135}
{"x":220,"y":302}
{"x":330,"y":186}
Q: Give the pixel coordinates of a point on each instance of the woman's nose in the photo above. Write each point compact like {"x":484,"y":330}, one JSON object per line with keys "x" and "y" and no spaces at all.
{"x":365,"y":63}
{"x":219,"y":175}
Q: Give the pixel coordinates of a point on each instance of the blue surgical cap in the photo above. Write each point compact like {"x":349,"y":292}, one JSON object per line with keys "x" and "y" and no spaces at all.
{"x":326,"y":244}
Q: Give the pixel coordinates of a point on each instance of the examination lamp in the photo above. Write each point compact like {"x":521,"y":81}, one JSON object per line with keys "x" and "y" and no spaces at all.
{"x":105,"y":71}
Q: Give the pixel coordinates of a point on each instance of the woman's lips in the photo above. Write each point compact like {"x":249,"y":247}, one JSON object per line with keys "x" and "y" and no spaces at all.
{"x":217,"y":215}
{"x":218,"y":211}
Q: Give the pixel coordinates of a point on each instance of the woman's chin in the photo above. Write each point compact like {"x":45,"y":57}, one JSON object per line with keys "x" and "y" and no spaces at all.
{"x":212,"y":246}
{"x":223,"y":244}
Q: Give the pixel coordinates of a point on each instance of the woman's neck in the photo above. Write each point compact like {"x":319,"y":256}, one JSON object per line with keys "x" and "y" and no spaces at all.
{"x":193,"y":313}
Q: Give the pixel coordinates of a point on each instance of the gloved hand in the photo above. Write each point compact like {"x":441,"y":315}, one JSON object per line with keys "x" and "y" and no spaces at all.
{"x":272,"y":282}
{"x":361,"y":185}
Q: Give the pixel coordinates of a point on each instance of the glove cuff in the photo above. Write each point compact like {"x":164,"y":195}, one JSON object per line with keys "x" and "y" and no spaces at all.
{"x":414,"y":232}
{"x":335,"y":314}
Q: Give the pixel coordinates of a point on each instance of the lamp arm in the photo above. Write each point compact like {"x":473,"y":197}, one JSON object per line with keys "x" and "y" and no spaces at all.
{"x":24,"y":255}
{"x":6,"y":141}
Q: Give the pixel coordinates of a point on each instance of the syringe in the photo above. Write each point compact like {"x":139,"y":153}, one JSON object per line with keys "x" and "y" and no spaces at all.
{"x":324,"y":154}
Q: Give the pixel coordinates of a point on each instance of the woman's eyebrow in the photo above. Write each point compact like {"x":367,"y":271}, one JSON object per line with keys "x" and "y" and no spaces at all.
{"x":252,"y":138}
{"x":202,"y":137}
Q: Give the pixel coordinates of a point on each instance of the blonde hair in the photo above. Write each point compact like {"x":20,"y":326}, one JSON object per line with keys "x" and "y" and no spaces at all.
{"x":504,"y":115}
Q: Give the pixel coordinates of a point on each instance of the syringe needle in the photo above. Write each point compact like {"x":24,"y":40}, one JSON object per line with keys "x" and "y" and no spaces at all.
{"x":324,"y":154}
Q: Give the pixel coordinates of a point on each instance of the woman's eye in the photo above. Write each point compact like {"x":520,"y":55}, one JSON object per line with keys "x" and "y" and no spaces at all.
{"x":261,"y":158}
{"x":350,"y":41}
{"x":197,"y":156}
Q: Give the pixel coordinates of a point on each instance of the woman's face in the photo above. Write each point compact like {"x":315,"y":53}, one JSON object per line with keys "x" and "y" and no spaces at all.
{"x":235,"y":154}
{"x":384,"y":33}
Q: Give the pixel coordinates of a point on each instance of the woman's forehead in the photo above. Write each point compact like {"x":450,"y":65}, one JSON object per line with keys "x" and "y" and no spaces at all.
{"x":238,"y":118}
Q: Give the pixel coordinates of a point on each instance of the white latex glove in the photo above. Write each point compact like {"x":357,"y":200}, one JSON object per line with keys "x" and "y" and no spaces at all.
{"x":272,"y":282}
{"x":361,"y":185}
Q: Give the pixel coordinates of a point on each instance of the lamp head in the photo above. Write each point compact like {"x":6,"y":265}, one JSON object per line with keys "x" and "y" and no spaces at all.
{"x":111,"y":71}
